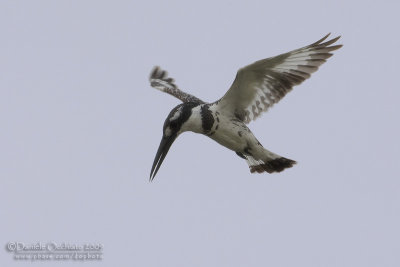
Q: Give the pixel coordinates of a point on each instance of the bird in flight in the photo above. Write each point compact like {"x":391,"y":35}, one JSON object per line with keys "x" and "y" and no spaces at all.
{"x":256,"y":88}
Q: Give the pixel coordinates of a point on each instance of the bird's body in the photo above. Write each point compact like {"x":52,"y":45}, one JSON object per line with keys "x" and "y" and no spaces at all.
{"x":232,"y":133}
{"x":228,"y":131}
{"x":256,"y":88}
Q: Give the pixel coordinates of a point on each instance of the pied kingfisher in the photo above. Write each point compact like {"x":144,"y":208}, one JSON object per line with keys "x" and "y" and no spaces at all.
{"x":256,"y":88}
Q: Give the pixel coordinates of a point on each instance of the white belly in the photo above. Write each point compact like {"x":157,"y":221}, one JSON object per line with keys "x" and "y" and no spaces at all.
{"x":235,"y":136}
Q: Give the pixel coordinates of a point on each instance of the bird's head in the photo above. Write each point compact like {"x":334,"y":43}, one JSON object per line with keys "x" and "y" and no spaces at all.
{"x":171,"y":130}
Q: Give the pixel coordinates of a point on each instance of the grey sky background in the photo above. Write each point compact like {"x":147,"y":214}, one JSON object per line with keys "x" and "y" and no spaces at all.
{"x":80,"y":127}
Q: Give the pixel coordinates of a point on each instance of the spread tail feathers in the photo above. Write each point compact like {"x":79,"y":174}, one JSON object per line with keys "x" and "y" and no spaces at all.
{"x":270,"y":165}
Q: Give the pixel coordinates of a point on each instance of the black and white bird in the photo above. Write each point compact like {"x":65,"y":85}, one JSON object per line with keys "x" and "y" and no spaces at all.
{"x":256,"y":88}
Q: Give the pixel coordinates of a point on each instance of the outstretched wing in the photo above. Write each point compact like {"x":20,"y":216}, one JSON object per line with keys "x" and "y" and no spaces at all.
{"x":159,"y":79}
{"x":260,"y":85}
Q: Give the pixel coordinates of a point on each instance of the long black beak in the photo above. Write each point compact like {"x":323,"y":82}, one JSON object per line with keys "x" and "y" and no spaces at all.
{"x":162,"y":151}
